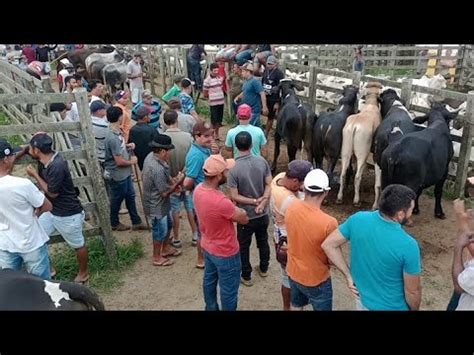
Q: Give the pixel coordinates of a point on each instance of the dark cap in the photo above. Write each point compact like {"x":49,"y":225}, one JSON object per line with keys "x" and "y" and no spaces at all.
{"x":298,"y":169}
{"x":98,"y":105}
{"x":161,"y":141}
{"x":186,"y":82}
{"x":6,"y":149}
{"x":41,"y":140}
{"x":202,"y":128}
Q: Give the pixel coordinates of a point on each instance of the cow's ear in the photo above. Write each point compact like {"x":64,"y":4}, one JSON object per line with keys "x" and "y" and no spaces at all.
{"x":297,"y":86}
{"x":420,"y":119}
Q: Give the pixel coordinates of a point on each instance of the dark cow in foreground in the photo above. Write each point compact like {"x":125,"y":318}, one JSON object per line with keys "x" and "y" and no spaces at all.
{"x":294,"y":122}
{"x":395,"y":118}
{"x":110,"y":68}
{"x":21,"y":291}
{"x":327,"y":132}
{"x":420,"y":159}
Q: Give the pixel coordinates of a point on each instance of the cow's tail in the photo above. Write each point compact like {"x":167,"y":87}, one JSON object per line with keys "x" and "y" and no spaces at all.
{"x":83,"y":294}
{"x":388,"y":177}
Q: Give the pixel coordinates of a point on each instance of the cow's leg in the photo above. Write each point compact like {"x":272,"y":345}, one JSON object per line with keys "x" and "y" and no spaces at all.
{"x":331,"y":166}
{"x":291,"y":151}
{"x":276,"y":151}
{"x":377,"y":186}
{"x":438,"y":192}
{"x":416,"y":209}
{"x":345,"y":162}
{"x":361,"y":163}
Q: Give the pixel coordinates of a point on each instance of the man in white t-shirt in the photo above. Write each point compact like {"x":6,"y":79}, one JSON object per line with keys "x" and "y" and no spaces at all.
{"x":135,"y":74}
{"x":22,"y":240}
{"x":97,"y":89}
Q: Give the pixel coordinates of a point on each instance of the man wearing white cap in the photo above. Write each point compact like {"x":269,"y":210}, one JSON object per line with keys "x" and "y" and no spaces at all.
{"x":307,"y":227}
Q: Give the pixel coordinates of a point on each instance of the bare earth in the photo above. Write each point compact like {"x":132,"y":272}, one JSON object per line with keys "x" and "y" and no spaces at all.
{"x":179,"y":287}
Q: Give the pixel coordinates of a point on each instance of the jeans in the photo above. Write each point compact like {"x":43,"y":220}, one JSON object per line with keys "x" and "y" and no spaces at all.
{"x":186,"y":198}
{"x":70,"y":227}
{"x":319,"y":296}
{"x":255,"y":120}
{"x":121,"y":190}
{"x":257,"y":226}
{"x":359,"y":65}
{"x":226,"y":271}
{"x":36,"y":262}
{"x":161,"y":228}
{"x":194,"y":72}
{"x":243,"y":56}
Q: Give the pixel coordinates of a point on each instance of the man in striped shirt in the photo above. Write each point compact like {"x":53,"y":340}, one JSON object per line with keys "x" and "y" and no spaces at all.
{"x":214,"y":92}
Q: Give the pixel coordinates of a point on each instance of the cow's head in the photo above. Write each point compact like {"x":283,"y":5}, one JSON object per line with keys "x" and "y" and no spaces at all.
{"x":287,"y":86}
{"x":349,"y":95}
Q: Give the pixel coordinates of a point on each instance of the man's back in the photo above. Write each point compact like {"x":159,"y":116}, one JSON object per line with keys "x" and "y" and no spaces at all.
{"x":258,"y":138}
{"x":182,"y":142}
{"x":142,"y":134}
{"x":381,"y":251}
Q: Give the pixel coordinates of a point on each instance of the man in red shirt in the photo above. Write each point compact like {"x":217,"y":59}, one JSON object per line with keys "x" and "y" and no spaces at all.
{"x":216,"y":214}
{"x":29,"y":52}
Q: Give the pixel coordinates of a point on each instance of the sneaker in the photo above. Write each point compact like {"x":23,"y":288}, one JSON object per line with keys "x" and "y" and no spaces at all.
{"x":176,"y":243}
{"x":140,"y":227}
{"x":245,"y":282}
{"x":261,"y":273}
{"x":121,"y":227}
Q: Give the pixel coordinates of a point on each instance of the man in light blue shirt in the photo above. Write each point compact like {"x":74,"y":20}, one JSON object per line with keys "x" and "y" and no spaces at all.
{"x":259,"y":148}
{"x":385,"y":260}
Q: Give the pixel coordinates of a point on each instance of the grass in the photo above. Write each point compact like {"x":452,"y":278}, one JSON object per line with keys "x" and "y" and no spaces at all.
{"x":103,"y":275}
{"x":14,"y":140}
{"x":448,"y":191}
{"x":391,"y":72}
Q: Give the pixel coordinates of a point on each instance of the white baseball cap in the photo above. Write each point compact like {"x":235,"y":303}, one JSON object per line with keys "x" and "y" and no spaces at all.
{"x":316,"y":181}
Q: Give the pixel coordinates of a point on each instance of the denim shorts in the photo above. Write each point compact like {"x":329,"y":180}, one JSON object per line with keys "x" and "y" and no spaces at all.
{"x":320,"y":296}
{"x":183,"y":197}
{"x":70,"y":227}
{"x":36,"y":262}
{"x":160,"y":228}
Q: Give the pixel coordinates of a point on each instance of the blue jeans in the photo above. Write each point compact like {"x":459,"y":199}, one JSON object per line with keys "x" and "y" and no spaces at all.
{"x":320,"y":296}
{"x":226,"y":271}
{"x":70,"y":227}
{"x":255,"y":120}
{"x":244,"y":56}
{"x":194,"y":72}
{"x":36,"y":262}
{"x":120,"y":190}
{"x":161,"y":228}
{"x":359,"y":65}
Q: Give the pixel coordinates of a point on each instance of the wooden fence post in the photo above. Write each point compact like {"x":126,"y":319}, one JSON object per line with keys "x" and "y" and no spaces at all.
{"x":466,"y":145}
{"x":406,"y":92}
{"x":161,"y":61}
{"x":103,"y":209}
{"x":356,"y":82}
{"x":313,"y":79}
{"x":151,"y":69}
{"x":229,"y":99}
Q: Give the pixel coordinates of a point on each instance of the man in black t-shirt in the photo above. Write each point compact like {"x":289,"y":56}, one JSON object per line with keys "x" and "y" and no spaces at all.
{"x":271,"y":78}
{"x":142,"y":134}
{"x":67,"y":215}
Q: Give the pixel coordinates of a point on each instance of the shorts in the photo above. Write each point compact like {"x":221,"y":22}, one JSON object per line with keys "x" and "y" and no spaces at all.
{"x":161,"y":228}
{"x":217,"y":113}
{"x":183,"y":197}
{"x":36,"y":262}
{"x":320,"y":296}
{"x":70,"y":227}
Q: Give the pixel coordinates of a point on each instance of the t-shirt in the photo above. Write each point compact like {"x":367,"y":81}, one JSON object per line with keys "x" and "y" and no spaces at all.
{"x":20,"y":231}
{"x":280,"y":199}
{"x":58,"y":177}
{"x":271,"y":79}
{"x":95,"y":98}
{"x":252,"y":89}
{"x":156,"y":180}
{"x":248,"y":176}
{"x":142,"y":134}
{"x":466,"y":281}
{"x":126,"y":121}
{"x":42,"y":54}
{"x":185,"y":122}
{"x":187,"y":103}
{"x":115,"y":145}
{"x":173,"y":92}
{"x":215,"y":89}
{"x":307,"y":227}
{"x":154,"y":109}
{"x":100,"y":127}
{"x":381,"y":251}
{"x":135,"y":69}
{"x":182,"y":143}
{"x":195,"y":159}
{"x":258,"y":138}
{"x":214,"y":212}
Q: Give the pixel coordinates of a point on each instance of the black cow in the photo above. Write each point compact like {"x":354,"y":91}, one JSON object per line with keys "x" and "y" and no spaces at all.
{"x":294,"y":122}
{"x":396,"y":119}
{"x":420,"y":159}
{"x":327,"y":132}
{"x":21,"y":291}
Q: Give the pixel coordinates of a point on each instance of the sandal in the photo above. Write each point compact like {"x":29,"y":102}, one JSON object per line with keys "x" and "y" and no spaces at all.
{"x":167,"y":262}
{"x":200,"y":266}
{"x":175,"y":253}
{"x":81,"y":281}
{"x":176,"y":243}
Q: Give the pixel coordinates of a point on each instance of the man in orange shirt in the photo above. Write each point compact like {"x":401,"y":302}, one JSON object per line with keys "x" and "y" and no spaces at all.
{"x":122,"y":99}
{"x":307,"y":227}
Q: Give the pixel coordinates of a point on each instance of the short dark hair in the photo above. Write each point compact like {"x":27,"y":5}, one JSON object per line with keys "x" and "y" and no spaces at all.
{"x":57,"y":107}
{"x":312,"y":193}
{"x":243,"y":141}
{"x":93,"y":83}
{"x":157,"y":150}
{"x":78,"y":77}
{"x":396,"y":198}
{"x":170,"y":117}
{"x":175,"y":103}
{"x":214,"y":66}
{"x":67,"y":79}
{"x":114,"y":113}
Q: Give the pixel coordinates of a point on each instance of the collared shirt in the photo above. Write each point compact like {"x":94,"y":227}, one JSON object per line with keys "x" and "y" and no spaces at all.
{"x":187,"y":103}
{"x":100,"y":127}
{"x":156,"y":180}
{"x":195,"y":159}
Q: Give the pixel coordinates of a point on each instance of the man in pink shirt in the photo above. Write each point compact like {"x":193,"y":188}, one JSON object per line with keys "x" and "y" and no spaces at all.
{"x":216,"y":214}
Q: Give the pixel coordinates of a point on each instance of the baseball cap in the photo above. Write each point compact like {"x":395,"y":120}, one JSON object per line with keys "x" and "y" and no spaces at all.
{"x":216,"y":164}
{"x":316,"y":181}
{"x":6,"y":149}
{"x":272,"y":60}
{"x":98,"y":105}
{"x":248,"y":66}
{"x":41,"y":140}
{"x":121,"y":95}
{"x":298,"y":169}
{"x":244,"y":111}
{"x":146,"y":93}
{"x":186,"y":82}
{"x":202,"y":128}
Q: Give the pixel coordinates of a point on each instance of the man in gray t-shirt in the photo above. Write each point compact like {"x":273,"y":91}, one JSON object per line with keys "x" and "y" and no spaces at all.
{"x":185,"y":122}
{"x":118,"y":170}
{"x":249,"y":182}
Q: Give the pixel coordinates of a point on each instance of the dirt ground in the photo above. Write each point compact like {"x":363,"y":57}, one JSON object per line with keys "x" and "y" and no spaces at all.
{"x":179,"y":287}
